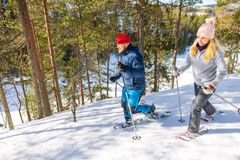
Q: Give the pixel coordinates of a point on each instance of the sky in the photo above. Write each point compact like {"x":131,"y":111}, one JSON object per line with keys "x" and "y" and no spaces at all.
{"x":205,"y":2}
{"x":209,"y":1}
{"x":92,"y":137}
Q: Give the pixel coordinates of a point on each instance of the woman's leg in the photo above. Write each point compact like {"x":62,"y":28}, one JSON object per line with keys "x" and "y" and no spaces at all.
{"x":195,"y":115}
{"x":207,"y":107}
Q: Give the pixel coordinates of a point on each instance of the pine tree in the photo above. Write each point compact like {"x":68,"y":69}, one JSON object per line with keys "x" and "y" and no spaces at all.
{"x":5,"y":107}
{"x":228,"y":32}
{"x":20,"y":71}
{"x":34,"y":59}
{"x":52,"y":57}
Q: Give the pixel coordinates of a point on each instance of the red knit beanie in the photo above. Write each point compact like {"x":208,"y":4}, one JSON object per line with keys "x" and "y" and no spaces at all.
{"x":122,"y":39}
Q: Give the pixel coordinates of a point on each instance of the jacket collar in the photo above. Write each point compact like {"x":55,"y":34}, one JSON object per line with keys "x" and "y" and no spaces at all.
{"x":129,"y":48}
{"x":201,"y":48}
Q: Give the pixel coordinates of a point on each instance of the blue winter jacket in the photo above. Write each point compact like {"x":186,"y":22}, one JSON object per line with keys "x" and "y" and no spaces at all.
{"x":134,"y":75}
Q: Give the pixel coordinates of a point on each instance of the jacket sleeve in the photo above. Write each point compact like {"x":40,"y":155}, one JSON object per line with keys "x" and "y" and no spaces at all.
{"x":221,"y":68}
{"x":117,"y":75}
{"x":186,"y":65}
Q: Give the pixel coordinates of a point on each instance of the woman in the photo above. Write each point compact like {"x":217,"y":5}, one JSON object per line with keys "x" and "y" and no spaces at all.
{"x":209,"y":69}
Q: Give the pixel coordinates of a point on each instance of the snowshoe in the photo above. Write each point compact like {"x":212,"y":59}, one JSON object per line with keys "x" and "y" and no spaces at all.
{"x":157,"y":116}
{"x":127,"y":124}
{"x":188,"y":136}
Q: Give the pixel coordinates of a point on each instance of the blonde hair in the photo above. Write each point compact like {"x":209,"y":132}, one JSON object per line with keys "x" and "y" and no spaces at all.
{"x":209,"y":53}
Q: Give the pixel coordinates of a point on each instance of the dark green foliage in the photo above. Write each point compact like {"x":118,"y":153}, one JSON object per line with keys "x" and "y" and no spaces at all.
{"x":86,"y":29}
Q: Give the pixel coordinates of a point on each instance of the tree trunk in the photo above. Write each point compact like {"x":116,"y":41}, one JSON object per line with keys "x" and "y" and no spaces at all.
{"x":99,"y":77}
{"x":74,"y":104}
{"x":52,"y":58}
{"x":87,"y":66}
{"x":5,"y":107}
{"x":80,"y":73}
{"x":3,"y":119}
{"x":23,"y":86}
{"x":230,"y":64}
{"x":155,"y":87}
{"x":156,"y":75}
{"x":36,"y":85}
{"x":85,"y":52}
{"x":141,"y":15}
{"x":11,"y":79}
{"x":108,"y":63}
{"x":176,"y":40}
{"x":32,"y":51}
{"x":87,"y":71}
{"x":37,"y":91}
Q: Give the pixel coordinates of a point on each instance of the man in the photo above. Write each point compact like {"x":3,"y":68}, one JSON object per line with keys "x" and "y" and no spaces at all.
{"x":131,"y":69}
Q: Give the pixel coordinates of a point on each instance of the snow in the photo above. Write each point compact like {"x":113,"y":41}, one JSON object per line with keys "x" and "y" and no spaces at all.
{"x":13,"y":103}
{"x":92,"y":137}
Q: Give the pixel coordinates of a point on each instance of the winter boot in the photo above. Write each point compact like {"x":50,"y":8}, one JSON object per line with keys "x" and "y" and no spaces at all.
{"x":152,"y":115}
{"x":129,"y":121}
{"x":153,"y":108}
{"x":207,"y":118}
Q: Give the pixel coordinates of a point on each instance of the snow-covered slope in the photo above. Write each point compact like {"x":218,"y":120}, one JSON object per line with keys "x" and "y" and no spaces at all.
{"x":92,"y":136}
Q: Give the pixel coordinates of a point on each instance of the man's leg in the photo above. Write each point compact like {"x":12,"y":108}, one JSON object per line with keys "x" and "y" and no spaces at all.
{"x":133,"y":98}
{"x":124,"y":105}
{"x":137,"y":94}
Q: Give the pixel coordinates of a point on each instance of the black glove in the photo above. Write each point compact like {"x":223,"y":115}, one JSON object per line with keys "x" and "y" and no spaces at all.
{"x":121,"y":67}
{"x":113,"y":79}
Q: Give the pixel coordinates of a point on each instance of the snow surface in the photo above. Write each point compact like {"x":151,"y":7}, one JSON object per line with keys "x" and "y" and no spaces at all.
{"x":92,"y":137}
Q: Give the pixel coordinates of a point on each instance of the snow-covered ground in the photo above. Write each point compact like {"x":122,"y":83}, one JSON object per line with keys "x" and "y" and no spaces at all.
{"x":13,"y":104}
{"x":92,"y":137}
